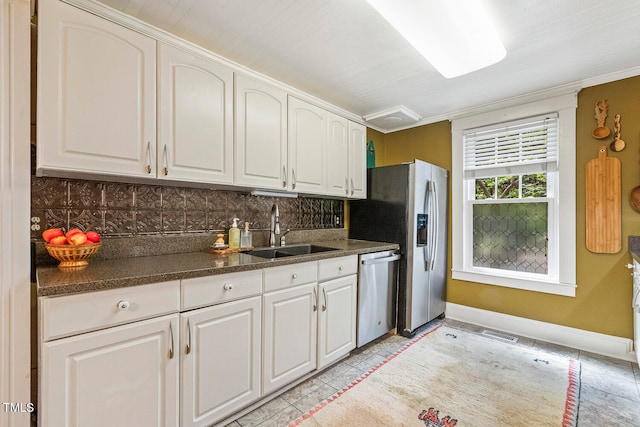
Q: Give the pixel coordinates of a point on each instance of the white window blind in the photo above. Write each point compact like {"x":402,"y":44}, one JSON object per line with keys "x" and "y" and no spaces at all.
{"x":524,"y":146}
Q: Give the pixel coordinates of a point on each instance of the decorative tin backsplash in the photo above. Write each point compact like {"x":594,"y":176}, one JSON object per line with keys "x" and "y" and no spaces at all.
{"x":120,"y":209}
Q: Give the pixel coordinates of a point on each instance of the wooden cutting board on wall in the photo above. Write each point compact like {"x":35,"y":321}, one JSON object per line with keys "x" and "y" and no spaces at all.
{"x":604,"y":208}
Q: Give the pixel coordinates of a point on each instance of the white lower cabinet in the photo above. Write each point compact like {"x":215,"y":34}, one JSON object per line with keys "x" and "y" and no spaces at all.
{"x":290,"y":325}
{"x":110,"y":358}
{"x":338,"y":295}
{"x":220,"y":360}
{"x":336,"y":319}
{"x":121,"y":376}
{"x":307,"y":326}
{"x":126,"y":357}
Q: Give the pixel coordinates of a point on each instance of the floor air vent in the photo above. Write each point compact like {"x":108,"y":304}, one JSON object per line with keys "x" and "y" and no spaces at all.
{"x":500,"y":336}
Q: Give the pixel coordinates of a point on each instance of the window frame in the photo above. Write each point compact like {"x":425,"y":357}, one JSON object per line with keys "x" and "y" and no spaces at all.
{"x":562,"y":228}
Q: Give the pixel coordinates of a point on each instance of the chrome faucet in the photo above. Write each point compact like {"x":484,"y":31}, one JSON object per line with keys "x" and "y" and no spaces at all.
{"x":275,"y":225}
{"x":283,"y":242}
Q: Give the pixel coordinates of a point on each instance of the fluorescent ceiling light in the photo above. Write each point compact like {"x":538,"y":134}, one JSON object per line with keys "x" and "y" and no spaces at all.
{"x":455,"y":36}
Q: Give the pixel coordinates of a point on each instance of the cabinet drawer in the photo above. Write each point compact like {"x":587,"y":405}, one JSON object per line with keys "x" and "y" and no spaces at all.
{"x":73,"y":314}
{"x":202,"y":291}
{"x":290,"y":275}
{"x":337,"y":267}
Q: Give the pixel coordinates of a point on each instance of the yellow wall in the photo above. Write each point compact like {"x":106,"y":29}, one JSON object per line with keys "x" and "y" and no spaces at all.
{"x":603,"y":297}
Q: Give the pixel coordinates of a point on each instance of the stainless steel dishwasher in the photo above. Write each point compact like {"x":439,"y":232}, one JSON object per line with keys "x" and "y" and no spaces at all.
{"x":377,"y":289}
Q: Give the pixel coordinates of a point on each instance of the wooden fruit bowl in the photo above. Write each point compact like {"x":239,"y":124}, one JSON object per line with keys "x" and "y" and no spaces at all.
{"x":72,"y":255}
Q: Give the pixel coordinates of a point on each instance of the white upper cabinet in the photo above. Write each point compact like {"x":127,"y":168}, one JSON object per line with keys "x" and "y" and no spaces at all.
{"x":337,"y":156}
{"x":261,"y":135}
{"x":357,"y":161}
{"x":195,"y":118}
{"x":346,"y":158}
{"x":99,"y":109}
{"x":307,"y":147}
{"x":96,"y":95}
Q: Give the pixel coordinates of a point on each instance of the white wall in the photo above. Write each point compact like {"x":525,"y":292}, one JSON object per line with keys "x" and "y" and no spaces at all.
{"x":14,"y":213}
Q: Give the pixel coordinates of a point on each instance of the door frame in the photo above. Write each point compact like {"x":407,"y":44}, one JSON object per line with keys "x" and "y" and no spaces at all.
{"x":15,"y":193}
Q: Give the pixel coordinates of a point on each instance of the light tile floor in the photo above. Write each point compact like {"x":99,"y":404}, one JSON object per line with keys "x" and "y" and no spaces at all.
{"x":609,"y":391}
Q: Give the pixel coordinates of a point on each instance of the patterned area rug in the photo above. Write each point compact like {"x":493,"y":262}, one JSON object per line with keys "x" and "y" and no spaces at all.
{"x":447,"y":377}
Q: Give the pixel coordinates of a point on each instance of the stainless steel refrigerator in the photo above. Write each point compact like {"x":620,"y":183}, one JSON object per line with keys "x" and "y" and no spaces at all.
{"x":407,"y":204}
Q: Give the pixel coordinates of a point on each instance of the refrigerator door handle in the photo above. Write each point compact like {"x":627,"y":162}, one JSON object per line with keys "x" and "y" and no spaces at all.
{"x":427,"y":209}
{"x":434,"y":222}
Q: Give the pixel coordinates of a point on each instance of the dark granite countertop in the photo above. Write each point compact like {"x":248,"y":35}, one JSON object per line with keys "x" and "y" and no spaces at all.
{"x":102,"y":274}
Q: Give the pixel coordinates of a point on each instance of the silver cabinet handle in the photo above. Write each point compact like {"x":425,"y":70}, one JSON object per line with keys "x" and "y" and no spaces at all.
{"x":165,"y":169}
{"x":293,"y":179}
{"x":294,"y":276}
{"x":352,"y":187}
{"x":123,"y":305}
{"x":148,"y":157}
{"x":346,"y":185}
{"x":187,"y":348}
{"x":228,"y":286}
{"x":315,"y":300}
{"x":324,"y":294}
{"x":171,"y":339}
{"x":284,"y":174}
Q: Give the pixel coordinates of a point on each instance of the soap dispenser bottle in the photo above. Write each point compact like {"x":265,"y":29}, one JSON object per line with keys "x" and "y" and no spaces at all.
{"x":234,"y":235}
{"x":245,"y":237}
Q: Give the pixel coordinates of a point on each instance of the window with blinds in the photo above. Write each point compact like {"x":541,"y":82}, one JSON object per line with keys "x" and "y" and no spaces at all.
{"x":518,"y":147}
{"x":514,"y":196}
{"x":509,"y":167}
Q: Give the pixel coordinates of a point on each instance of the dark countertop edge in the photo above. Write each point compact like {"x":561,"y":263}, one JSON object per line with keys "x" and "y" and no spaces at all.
{"x":52,"y":281}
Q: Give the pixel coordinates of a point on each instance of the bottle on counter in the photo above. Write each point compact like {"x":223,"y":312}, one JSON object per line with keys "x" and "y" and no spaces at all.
{"x":245,"y":237}
{"x":234,"y":235}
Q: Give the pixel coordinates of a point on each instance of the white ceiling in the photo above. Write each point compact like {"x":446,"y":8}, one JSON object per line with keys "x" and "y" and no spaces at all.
{"x":343,"y":52}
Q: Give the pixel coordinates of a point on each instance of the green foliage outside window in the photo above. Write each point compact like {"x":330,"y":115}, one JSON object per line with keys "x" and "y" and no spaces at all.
{"x":508,"y":187}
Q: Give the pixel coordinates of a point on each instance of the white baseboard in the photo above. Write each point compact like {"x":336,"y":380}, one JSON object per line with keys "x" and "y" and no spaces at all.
{"x":607,"y":345}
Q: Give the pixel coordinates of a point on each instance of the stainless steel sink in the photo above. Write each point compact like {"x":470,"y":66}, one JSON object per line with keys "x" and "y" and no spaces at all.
{"x":286,"y":251}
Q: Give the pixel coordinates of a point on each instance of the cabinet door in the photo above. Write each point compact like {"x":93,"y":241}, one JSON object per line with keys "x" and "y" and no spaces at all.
{"x":122,"y":376}
{"x":261,"y":135}
{"x":337,"y":156}
{"x":290,"y":331}
{"x":357,"y":161}
{"x":337,"y":319}
{"x":96,"y":95}
{"x":307,"y":145}
{"x":220,"y":359}
{"x":195,"y":118}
